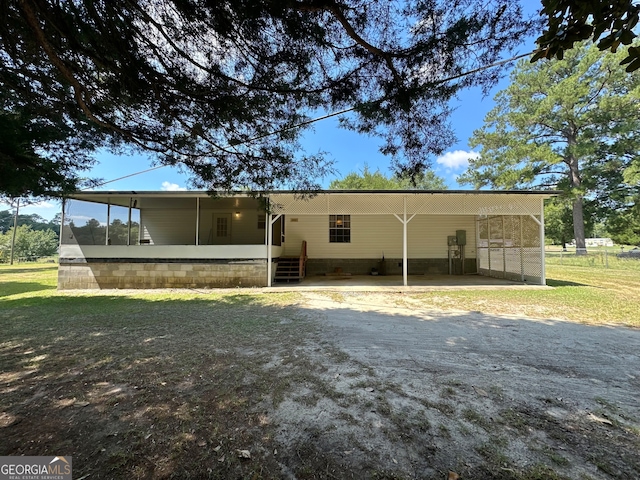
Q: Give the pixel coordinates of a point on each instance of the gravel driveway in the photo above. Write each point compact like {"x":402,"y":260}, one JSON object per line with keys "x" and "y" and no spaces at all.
{"x":404,"y":391}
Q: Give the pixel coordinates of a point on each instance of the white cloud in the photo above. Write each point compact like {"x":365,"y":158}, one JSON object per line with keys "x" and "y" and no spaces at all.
{"x":172,"y":187}
{"x":457,"y":160}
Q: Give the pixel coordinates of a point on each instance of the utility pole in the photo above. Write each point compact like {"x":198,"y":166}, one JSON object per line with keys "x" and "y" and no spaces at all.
{"x":15,"y":228}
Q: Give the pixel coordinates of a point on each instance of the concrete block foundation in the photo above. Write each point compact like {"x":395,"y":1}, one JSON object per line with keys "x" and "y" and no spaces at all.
{"x":154,"y":274}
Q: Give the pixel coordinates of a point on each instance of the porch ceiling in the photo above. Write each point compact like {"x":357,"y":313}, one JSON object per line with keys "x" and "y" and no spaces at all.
{"x":416,"y":203}
{"x":168,"y":200}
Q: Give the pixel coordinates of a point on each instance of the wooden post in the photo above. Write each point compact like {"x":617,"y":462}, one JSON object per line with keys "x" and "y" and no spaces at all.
{"x":15,"y":228}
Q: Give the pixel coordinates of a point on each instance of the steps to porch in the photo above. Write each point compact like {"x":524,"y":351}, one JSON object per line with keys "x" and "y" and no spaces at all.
{"x":292,"y":268}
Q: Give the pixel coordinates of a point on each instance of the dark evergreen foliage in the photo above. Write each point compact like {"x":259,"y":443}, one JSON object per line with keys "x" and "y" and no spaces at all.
{"x":205,"y":83}
{"x":610,"y":22}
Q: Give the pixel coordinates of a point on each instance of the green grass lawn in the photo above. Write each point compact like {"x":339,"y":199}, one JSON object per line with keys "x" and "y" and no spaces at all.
{"x":584,"y":291}
{"x":151,"y":385}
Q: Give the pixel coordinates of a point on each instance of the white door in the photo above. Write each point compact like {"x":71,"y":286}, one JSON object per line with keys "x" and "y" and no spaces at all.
{"x":222,"y":228}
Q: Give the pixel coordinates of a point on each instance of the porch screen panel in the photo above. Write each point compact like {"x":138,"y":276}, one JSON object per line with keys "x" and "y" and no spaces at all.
{"x":483,"y":244}
{"x":511,"y":251}
{"x":531,"y":249}
{"x":85,"y":223}
{"x":496,"y":247}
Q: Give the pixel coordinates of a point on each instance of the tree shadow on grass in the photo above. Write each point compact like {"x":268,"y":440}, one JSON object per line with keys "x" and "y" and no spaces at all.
{"x":36,"y":269}
{"x":145,"y":388}
{"x":15,"y":288}
{"x":563,"y":283}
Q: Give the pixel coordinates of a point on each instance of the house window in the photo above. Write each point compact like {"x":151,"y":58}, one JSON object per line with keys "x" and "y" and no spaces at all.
{"x":262,"y":221}
{"x":340,"y":228}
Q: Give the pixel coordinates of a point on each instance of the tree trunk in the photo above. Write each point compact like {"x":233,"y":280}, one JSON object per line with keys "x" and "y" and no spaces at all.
{"x":578,"y":214}
{"x":578,"y":226}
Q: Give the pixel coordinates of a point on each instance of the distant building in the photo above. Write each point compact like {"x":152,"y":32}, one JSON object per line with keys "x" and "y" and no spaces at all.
{"x":596,"y":242}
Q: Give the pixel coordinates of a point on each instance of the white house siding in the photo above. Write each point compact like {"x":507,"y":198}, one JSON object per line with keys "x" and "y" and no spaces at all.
{"x":244,"y":227}
{"x":168,"y":226}
{"x":163,"y":226}
{"x":427,"y":235}
{"x":375,"y":235}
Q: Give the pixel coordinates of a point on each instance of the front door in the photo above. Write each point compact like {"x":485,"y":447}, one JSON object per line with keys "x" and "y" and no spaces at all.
{"x":222,"y":228}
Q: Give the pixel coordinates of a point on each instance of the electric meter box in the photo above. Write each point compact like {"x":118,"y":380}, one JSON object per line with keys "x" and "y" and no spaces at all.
{"x":452,"y":240}
{"x":461,"y":236}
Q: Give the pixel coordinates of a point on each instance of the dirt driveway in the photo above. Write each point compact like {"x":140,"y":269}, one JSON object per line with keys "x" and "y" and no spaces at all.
{"x":418,"y":393}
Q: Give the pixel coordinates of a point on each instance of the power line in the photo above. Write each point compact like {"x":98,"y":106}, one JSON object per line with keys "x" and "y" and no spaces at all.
{"x":330,"y":115}
{"x":130,"y":175}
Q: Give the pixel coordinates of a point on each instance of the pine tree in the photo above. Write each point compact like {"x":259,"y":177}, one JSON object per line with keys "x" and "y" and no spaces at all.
{"x":568,"y":124}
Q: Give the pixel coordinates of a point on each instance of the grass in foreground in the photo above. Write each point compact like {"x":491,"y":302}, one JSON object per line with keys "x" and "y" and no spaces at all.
{"x":142,"y":386}
{"x":581,"y":293}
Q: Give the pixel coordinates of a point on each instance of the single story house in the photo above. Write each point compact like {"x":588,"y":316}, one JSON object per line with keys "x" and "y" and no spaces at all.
{"x":136,"y":239}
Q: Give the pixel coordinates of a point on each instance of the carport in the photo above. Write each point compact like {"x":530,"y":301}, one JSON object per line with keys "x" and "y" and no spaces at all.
{"x":503,"y":234}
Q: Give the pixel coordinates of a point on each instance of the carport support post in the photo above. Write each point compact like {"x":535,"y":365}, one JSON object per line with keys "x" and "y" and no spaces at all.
{"x":106,"y":236}
{"x":404,"y":241}
{"x":404,"y":220}
{"x":504,"y":251}
{"x":489,"y":244}
{"x":272,"y":221}
{"x":521,"y":249}
{"x":543,"y":273}
{"x":129,"y":223}
{"x":198,"y":221}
